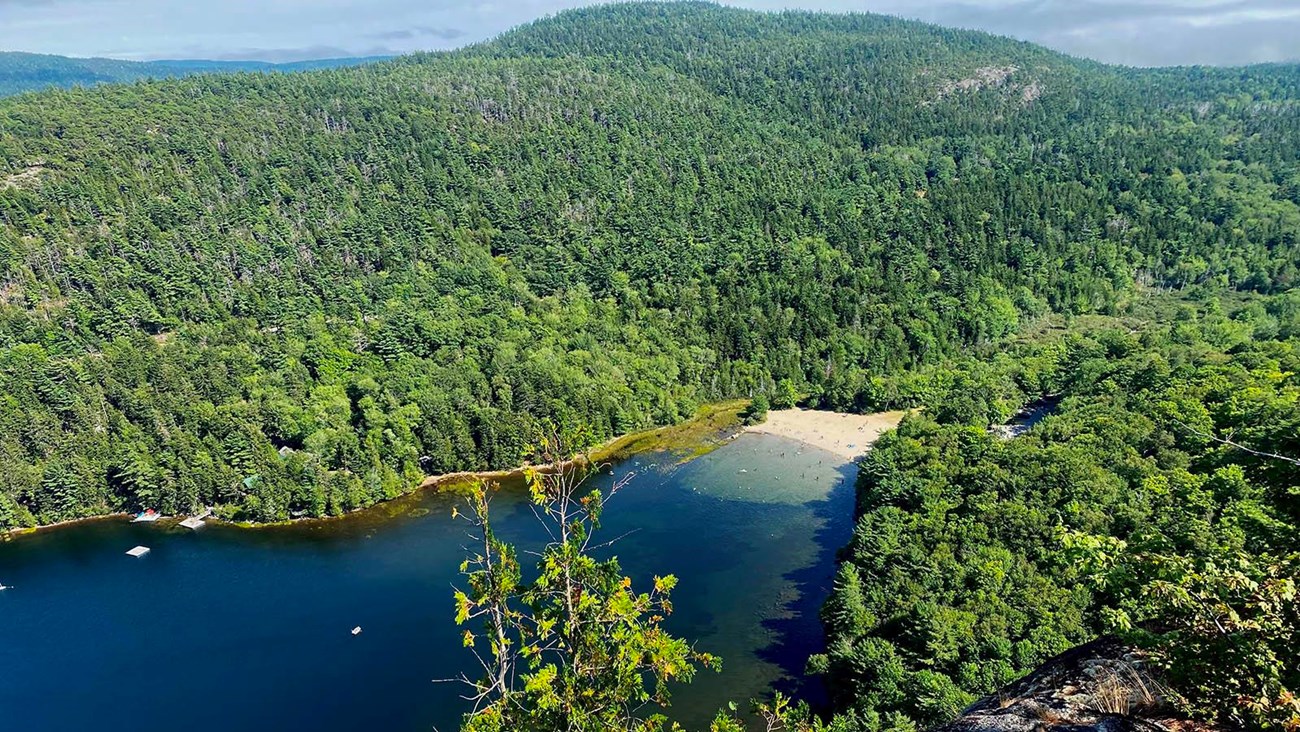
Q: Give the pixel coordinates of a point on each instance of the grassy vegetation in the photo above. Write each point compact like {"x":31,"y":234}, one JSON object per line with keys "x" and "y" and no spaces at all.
{"x":705,"y":432}
{"x":702,"y":434}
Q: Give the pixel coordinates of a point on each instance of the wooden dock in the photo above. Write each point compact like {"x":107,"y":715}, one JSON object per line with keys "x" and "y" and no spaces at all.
{"x":194,"y":522}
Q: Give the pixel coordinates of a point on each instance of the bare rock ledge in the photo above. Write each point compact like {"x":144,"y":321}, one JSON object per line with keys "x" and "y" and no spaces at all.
{"x":1103,"y":686}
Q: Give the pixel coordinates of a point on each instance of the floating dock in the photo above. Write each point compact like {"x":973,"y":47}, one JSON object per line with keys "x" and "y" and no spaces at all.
{"x":146,"y":517}
{"x":139,"y":551}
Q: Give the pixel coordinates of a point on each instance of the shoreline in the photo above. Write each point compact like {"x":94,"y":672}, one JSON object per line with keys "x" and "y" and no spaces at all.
{"x":848,"y":436}
{"x":65,"y":524}
{"x":711,"y":427}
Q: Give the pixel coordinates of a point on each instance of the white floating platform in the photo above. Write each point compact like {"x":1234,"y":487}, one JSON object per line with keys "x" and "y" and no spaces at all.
{"x":146,"y":518}
{"x":356,"y":630}
{"x":192,"y":522}
{"x":139,"y":551}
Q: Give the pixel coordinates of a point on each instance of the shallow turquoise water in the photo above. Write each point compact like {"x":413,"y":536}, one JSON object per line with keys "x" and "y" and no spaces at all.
{"x":226,"y":628}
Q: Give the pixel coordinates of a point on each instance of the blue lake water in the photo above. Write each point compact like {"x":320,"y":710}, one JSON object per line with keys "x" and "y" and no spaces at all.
{"x":226,"y":628}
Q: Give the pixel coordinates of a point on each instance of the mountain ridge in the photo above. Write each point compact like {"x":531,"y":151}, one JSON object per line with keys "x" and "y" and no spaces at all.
{"x":22,"y":72}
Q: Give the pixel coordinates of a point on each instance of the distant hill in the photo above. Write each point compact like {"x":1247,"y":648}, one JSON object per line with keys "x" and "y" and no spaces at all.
{"x":21,"y":72}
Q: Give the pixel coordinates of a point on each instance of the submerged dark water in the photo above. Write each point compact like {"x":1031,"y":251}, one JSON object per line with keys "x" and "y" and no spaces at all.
{"x":226,"y":628}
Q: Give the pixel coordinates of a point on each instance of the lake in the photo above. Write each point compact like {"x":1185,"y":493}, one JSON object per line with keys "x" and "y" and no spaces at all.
{"x":250,"y":629}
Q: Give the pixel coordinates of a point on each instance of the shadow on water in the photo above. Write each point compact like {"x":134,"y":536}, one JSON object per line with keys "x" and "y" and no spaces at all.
{"x":797,"y":631}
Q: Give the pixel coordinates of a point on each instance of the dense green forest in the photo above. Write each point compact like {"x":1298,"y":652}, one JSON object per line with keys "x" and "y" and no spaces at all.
{"x":298,"y":295}
{"x":24,"y":72}
{"x":295,"y":295}
{"x":1127,"y":510}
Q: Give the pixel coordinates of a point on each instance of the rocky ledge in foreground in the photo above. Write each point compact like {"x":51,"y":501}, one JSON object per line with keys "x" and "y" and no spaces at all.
{"x":1102,"y":686}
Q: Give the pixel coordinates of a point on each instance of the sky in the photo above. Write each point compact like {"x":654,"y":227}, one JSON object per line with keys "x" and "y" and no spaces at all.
{"x":1134,"y":32}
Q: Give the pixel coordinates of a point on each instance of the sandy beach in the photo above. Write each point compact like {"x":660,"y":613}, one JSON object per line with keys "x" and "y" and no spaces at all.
{"x":846,"y":435}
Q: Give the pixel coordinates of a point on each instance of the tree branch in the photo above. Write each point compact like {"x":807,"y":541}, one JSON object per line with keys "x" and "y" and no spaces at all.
{"x":1243,"y":448}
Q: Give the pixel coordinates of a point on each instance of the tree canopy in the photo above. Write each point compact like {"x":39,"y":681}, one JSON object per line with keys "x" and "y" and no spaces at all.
{"x":1157,"y":502}
{"x":293,"y":295}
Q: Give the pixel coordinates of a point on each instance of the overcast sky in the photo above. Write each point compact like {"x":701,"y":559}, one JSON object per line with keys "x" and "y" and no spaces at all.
{"x":1140,"y":32}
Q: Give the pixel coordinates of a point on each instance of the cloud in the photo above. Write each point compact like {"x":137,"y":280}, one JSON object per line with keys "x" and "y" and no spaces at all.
{"x":1237,"y":17}
{"x":406,"y":34}
{"x":1135,"y":32}
{"x":1140,"y":32}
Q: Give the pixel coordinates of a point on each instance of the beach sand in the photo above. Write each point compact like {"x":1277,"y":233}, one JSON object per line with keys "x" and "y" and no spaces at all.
{"x":846,"y":435}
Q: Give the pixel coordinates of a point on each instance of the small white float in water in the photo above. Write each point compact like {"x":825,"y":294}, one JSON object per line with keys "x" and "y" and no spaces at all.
{"x":139,"y":551}
{"x":356,"y":630}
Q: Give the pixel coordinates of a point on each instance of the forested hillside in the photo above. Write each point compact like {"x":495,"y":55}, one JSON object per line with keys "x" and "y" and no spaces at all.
{"x":297,"y":294}
{"x":1158,"y":502}
{"x":22,"y":72}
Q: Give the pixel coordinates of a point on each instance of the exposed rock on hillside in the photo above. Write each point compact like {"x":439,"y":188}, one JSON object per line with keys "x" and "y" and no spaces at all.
{"x":1103,"y":686}
{"x":23,"y":178}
